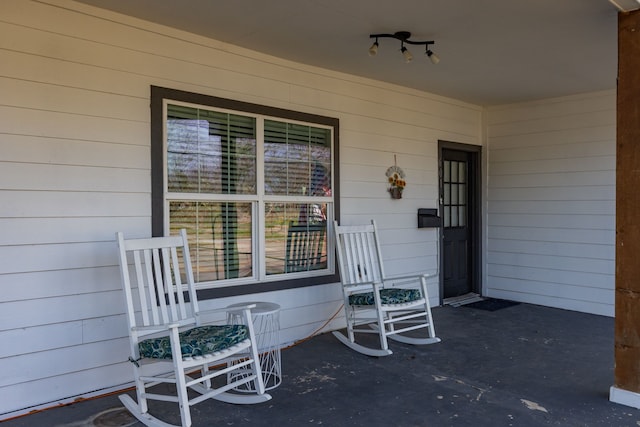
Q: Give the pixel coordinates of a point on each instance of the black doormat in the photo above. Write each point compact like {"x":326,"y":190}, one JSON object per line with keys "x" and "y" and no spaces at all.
{"x":492,"y":304}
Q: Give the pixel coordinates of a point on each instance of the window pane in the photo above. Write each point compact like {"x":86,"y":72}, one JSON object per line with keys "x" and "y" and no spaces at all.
{"x":462,"y":172}
{"x":462,"y":215}
{"x":447,"y":169}
{"x":219,"y":237}
{"x":454,"y":194}
{"x":454,"y":216}
{"x":447,"y":216}
{"x":297,"y":159}
{"x":447,"y":194}
{"x":454,"y":171}
{"x":210,"y":152}
{"x":462,"y":194}
{"x":294,"y":242}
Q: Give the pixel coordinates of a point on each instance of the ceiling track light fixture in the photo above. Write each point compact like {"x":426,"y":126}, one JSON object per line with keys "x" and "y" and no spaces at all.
{"x":404,"y":36}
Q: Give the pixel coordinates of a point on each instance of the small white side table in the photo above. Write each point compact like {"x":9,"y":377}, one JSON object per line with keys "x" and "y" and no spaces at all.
{"x":266,"y":322}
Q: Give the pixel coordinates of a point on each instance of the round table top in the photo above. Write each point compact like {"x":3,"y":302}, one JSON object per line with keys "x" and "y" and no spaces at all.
{"x":261,"y":308}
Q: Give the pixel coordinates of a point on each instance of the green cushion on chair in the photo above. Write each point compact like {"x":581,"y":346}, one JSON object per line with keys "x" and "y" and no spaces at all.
{"x":196,"y":342}
{"x":388,"y":296}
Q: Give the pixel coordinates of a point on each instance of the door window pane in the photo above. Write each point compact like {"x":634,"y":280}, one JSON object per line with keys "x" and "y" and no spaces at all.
{"x":462,"y":216}
{"x":447,"y":216}
{"x":454,"y":193}
{"x":462,"y":172}
{"x":454,"y":216}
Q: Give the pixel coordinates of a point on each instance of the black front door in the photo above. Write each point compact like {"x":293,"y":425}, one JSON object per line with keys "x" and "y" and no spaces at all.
{"x":458,"y":210}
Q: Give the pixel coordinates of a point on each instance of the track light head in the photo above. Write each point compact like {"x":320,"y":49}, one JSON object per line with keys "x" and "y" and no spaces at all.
{"x":373,"y":50}
{"x":407,"y":55}
{"x":404,"y":37}
{"x":432,"y":56}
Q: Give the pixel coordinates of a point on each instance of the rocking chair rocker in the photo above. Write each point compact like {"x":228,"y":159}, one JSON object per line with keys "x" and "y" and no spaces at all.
{"x":169,"y":342}
{"x":390,"y":306}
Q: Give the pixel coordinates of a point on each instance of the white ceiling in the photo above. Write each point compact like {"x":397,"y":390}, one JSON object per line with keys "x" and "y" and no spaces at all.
{"x":492,"y":51}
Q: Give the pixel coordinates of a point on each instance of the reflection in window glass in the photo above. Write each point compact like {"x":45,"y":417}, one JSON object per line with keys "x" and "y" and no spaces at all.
{"x":454,"y":171}
{"x":210,"y":152}
{"x":454,"y":217}
{"x":220,"y":238}
{"x":462,"y":194}
{"x":297,"y":159}
{"x":295,"y":235}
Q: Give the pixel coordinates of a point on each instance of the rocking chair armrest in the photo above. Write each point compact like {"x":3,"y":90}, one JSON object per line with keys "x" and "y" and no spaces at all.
{"x":410,"y":276}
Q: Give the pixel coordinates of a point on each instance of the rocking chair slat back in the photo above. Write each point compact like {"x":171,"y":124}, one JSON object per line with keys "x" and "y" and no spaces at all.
{"x":160,"y":276}
{"x":359,"y":255}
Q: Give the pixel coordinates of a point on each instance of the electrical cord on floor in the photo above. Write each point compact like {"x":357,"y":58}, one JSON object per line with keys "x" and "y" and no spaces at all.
{"x":312,"y":334}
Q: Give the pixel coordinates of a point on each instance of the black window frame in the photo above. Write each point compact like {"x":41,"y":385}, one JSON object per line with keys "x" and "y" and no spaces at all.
{"x":158,"y":95}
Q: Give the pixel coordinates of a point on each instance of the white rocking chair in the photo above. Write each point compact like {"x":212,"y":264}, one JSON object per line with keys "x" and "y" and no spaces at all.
{"x":163,"y":322}
{"x":390,"y":306}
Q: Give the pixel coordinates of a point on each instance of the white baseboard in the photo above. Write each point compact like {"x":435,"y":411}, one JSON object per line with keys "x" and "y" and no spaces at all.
{"x":624,"y":397}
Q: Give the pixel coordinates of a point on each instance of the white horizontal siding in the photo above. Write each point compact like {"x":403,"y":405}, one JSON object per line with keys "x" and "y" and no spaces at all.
{"x":84,"y":357}
{"x":553,"y":248}
{"x":591,"y":222}
{"x":75,"y":168}
{"x":542,"y":274}
{"x":51,"y":391}
{"x":31,"y":231}
{"x":551,"y":202}
{"x":59,"y":151}
{"x":551,"y":179}
{"x":39,"y":204}
{"x":54,"y":283}
{"x":29,"y":258}
{"x":45,"y":311}
{"x":40,"y":338}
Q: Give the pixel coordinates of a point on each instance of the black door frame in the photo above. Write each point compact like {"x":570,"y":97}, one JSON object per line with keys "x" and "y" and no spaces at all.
{"x":475,"y":213}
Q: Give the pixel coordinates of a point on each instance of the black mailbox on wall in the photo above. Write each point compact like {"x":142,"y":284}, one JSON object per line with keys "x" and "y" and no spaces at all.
{"x":428,"y":218}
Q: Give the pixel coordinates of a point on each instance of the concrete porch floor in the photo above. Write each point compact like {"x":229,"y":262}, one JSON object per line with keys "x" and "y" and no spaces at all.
{"x":523,"y":365}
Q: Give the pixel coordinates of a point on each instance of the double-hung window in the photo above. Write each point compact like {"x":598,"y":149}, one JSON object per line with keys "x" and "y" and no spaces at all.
{"x":254,"y":186}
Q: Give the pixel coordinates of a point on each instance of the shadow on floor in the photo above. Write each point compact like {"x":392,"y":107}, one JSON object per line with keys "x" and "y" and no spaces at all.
{"x":522,"y":365}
